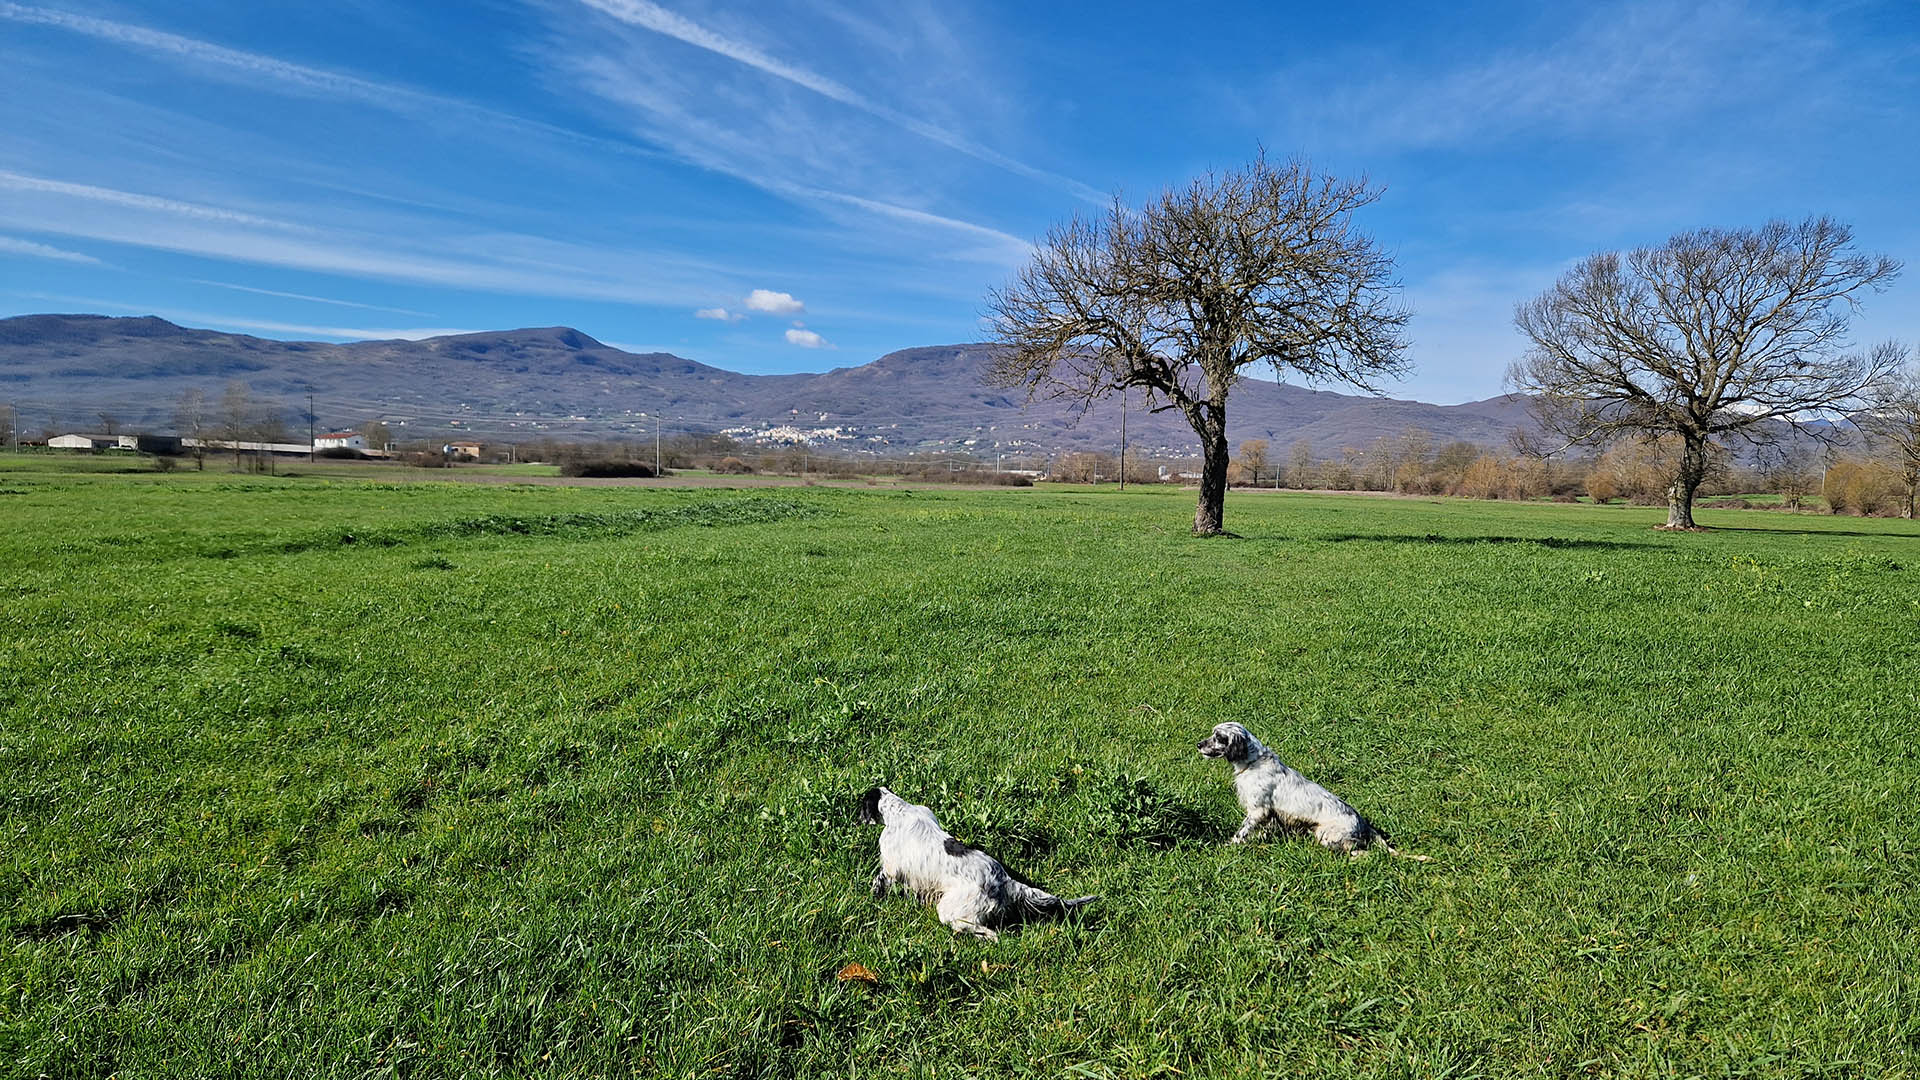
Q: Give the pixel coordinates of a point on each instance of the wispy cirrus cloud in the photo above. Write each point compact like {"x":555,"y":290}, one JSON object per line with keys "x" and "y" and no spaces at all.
{"x":651,"y":16}
{"x":340,"y":333}
{"x":774,"y":147}
{"x":1619,"y":70}
{"x":396,"y":249}
{"x":207,"y":57}
{"x":312,"y":299}
{"x":10,"y":245}
{"x":207,"y":54}
{"x":719,"y":314}
{"x":135,"y":201}
{"x":211,"y":59}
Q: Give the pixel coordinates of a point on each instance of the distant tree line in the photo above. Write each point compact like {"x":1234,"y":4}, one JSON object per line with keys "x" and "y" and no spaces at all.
{"x":1859,"y":472}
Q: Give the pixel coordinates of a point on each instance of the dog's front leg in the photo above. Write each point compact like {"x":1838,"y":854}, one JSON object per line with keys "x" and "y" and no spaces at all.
{"x":1247,"y":829}
{"x":967,"y":926}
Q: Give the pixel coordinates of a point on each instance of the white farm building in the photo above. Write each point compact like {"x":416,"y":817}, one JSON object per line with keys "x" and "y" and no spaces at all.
{"x":92,"y":442}
{"x":340,"y":440}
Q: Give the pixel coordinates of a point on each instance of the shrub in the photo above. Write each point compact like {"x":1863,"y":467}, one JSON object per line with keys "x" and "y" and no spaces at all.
{"x":1866,"y":488}
{"x":733,"y":466}
{"x":607,"y":468}
{"x":347,"y":452}
{"x":163,"y":463}
{"x":426,"y":459}
{"x":1485,"y":479}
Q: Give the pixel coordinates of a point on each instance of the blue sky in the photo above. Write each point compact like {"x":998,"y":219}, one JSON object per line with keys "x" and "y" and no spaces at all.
{"x":777,"y":187}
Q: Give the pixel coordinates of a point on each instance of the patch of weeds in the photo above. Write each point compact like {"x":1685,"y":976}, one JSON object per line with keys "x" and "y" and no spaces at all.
{"x":712,"y":513}
{"x":812,"y":818}
{"x":1137,"y":812}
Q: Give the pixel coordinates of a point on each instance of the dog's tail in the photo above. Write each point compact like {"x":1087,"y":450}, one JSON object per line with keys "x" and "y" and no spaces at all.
{"x":1043,"y":904}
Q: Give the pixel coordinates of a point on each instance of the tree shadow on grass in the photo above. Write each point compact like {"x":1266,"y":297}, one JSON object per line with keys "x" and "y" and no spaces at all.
{"x":1539,"y":541}
{"x":1907,"y":535}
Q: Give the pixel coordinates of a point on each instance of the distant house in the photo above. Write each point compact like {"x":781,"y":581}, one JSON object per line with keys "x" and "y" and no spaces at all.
{"x":463,"y":450}
{"x":340,"y":440}
{"x":91,"y":442}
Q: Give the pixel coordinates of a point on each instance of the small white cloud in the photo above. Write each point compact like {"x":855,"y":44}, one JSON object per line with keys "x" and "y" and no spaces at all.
{"x":774,"y":303}
{"x":720,"y":313}
{"x":806,"y":339}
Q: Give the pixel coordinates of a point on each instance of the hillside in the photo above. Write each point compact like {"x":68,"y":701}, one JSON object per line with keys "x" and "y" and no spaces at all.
{"x":65,"y":370}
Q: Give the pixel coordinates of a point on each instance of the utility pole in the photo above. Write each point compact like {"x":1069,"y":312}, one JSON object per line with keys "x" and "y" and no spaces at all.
{"x":310,"y":454}
{"x":656,"y":445}
{"x":1123,"y":438}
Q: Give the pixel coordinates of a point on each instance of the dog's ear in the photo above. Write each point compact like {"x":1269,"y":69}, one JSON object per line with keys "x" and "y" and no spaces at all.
{"x":956,"y":847}
{"x":1237,"y":743}
{"x":869,"y":812}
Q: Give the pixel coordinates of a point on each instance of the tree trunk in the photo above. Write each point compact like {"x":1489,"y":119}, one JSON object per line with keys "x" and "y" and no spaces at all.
{"x":1210,"y":423}
{"x":1693,"y":469}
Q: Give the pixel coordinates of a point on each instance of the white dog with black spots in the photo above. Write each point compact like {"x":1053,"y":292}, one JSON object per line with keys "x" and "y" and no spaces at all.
{"x":1277,"y":799}
{"x":969,"y":888}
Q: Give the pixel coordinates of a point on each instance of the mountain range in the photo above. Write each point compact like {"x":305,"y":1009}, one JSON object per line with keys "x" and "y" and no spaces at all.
{"x":65,"y":371}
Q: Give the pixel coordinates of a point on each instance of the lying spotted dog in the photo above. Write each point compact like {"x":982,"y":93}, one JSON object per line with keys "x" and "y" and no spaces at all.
{"x":973,"y":893}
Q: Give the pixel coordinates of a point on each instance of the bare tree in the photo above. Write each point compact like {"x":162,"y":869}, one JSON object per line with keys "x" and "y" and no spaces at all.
{"x":1253,"y":455}
{"x":1785,"y":469}
{"x":1300,"y":464}
{"x":1261,"y":265}
{"x":236,"y":416}
{"x":1892,"y":416}
{"x":1715,"y":332}
{"x":270,"y":427}
{"x":191,"y":418}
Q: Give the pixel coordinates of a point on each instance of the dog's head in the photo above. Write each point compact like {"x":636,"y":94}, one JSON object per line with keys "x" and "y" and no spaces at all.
{"x":1230,"y":741}
{"x":869,"y":812}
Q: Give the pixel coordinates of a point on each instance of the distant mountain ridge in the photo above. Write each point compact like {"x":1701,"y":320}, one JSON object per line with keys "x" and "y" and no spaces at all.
{"x":64,"y":370}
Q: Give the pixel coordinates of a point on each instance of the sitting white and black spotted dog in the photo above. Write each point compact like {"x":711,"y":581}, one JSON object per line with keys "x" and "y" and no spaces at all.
{"x":1279,"y":799}
{"x":973,"y":893}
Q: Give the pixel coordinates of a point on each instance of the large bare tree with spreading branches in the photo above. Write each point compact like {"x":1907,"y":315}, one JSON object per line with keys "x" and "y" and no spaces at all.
{"x":1892,"y":417}
{"x":1715,"y":333}
{"x":1263,"y":265}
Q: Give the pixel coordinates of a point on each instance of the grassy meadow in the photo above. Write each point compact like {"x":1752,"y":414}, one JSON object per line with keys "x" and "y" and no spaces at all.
{"x":330,"y":777}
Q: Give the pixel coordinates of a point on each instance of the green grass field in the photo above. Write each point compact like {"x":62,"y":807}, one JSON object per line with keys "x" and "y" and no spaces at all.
{"x":327,"y":777}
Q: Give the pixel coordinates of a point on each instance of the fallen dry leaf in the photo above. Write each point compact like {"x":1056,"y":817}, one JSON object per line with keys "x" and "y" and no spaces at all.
{"x":857,"y":972}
